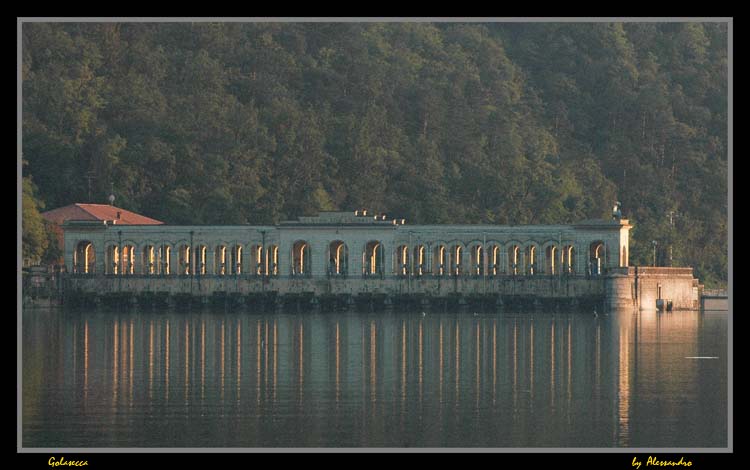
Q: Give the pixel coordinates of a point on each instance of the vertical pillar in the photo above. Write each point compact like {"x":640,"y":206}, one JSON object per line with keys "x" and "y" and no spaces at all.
{"x":428,"y":258}
{"x":193,"y":260}
{"x":355,"y":259}
{"x":68,"y":257}
{"x":285,"y":262}
{"x":174,"y":260}
{"x":210,"y":259}
{"x":503,"y":261}
{"x":137,"y":259}
{"x":318,"y":258}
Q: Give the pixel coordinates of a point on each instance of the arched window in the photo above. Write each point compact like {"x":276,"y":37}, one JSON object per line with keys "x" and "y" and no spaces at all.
{"x":477,"y":261}
{"x":149,"y":260}
{"x":596,"y":258}
{"x":439,"y":263}
{"x":220,"y":260}
{"x":624,"y":252}
{"x":300,"y":258}
{"x":236,"y":264}
{"x":338,"y":258}
{"x":372,"y":262}
{"x":457,"y":260}
{"x":200,"y":259}
{"x":184,"y":260}
{"x":84,"y":258}
{"x":128,"y":259}
{"x":165,"y":259}
{"x":530,"y":253}
{"x":256,"y":260}
{"x":493,"y":263}
{"x":272,"y":260}
{"x":113,"y":260}
{"x":514,"y":253}
{"x":402,"y":260}
{"x":550,"y":260}
{"x":568,"y":257}
{"x":420,"y":264}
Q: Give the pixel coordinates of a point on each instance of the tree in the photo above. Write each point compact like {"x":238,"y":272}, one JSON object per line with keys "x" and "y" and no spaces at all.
{"x":34,"y":236}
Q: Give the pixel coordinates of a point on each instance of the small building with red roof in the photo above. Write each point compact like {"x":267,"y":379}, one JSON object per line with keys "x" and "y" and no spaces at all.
{"x":104,"y":213}
{"x":101,"y":212}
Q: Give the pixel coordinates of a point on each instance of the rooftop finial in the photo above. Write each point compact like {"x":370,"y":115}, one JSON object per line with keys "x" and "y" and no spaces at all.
{"x":111,"y":197}
{"x":616,"y":211}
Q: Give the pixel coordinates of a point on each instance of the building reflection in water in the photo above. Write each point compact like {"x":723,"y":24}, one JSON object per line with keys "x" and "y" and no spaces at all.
{"x":494,"y":363}
{"x":275,"y":355}
{"x":85,"y":363}
{"x":623,"y":385}
{"x":603,"y":380}
{"x":457,"y":366}
{"x":238,"y":391}
{"x":257,"y":362}
{"x":420,"y":365}
{"x":116,"y":363}
{"x":531,"y":365}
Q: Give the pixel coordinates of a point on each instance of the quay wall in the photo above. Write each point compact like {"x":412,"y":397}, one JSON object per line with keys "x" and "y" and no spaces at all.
{"x":541,"y":286}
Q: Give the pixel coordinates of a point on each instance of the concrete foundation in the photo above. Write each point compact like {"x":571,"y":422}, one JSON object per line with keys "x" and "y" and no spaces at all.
{"x":621,"y":288}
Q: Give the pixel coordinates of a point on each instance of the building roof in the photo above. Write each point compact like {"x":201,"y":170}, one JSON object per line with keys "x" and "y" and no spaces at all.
{"x":97,"y":212}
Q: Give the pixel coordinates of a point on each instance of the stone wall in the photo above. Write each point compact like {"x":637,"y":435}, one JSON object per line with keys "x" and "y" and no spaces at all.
{"x":540,"y":286}
{"x":676,"y":284}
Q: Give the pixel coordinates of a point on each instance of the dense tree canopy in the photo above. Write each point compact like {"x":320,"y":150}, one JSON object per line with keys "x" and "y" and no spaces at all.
{"x":34,"y":233}
{"x":498,"y":123}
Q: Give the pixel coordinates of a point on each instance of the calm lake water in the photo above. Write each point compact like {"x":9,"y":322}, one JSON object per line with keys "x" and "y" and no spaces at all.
{"x":97,"y":379}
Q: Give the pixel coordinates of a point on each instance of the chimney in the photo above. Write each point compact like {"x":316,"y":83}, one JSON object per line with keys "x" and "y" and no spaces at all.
{"x":119,"y":214}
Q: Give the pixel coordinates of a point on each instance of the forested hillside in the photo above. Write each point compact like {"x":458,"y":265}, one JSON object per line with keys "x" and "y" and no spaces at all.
{"x":465,"y":123}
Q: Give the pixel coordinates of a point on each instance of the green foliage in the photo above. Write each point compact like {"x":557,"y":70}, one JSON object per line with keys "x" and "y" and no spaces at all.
{"x":35,"y":237}
{"x":504,"y":123}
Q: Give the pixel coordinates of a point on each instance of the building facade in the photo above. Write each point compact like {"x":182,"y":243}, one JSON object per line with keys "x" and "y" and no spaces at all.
{"x":348,"y":253}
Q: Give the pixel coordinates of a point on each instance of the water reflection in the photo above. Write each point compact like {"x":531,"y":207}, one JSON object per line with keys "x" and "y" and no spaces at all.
{"x":374,"y":380}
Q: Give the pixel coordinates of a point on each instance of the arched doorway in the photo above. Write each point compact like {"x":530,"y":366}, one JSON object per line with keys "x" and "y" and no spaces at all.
{"x":236,"y":265}
{"x":149,"y":260}
{"x":272,"y":260}
{"x":440,"y":261}
{"x":338,"y":258}
{"x":128,"y":259}
{"x":402,"y":260}
{"x":300,"y":258}
{"x":257,"y":259}
{"x":477,"y":260}
{"x":493,"y":263}
{"x":457,"y":260}
{"x":184,"y":254}
{"x":165,"y":260}
{"x":568,"y":257}
{"x":84,"y":258}
{"x":112,"y":265}
{"x":514,"y":255}
{"x":551,"y":266}
{"x":373,"y":259}
{"x":220,"y":260}
{"x":420,"y":263}
{"x":530,"y":253}
{"x":596,"y":258}
{"x":200,"y":259}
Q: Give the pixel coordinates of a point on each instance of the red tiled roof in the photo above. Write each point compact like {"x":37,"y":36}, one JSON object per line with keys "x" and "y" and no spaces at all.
{"x":97,"y":212}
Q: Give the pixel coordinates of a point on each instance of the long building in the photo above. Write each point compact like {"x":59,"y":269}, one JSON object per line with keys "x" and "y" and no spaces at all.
{"x":359,"y":253}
